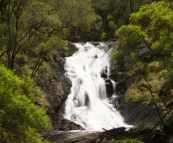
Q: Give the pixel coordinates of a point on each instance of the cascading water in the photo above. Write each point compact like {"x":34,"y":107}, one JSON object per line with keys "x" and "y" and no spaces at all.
{"x":87,"y":104}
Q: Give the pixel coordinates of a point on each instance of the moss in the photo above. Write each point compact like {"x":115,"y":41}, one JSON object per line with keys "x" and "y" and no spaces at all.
{"x":24,"y":70}
{"x":128,"y":140}
{"x":142,"y":125}
{"x":132,"y":95}
{"x":140,"y":86}
{"x":125,"y":139}
{"x":154,"y":66}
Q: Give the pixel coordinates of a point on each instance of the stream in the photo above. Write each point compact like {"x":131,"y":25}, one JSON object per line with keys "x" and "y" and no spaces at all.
{"x":88,"y":104}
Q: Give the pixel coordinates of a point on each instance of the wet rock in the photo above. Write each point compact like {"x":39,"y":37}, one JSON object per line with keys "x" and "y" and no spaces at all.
{"x":109,"y":87}
{"x":121,"y":87}
{"x":87,"y":137}
{"x":135,"y":113}
{"x":95,"y":43}
{"x":104,"y":75}
{"x":67,"y":125}
{"x":115,"y":131}
{"x":55,"y":86}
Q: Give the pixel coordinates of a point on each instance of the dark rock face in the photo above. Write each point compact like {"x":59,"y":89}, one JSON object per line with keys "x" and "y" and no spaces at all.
{"x":95,"y":43}
{"x":104,"y":75}
{"x":59,"y":123}
{"x":121,"y":87}
{"x":55,"y":87}
{"x":133,"y":112}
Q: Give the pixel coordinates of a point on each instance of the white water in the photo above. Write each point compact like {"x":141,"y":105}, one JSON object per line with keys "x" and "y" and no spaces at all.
{"x":87,"y":104}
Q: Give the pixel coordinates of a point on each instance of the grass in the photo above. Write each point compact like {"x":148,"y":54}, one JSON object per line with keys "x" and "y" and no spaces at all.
{"x":125,"y":139}
{"x":147,"y":82}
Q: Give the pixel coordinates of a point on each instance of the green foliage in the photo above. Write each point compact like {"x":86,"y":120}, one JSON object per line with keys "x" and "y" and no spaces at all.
{"x":129,"y":140}
{"x":150,"y":29}
{"x":142,"y":126}
{"x":30,"y":31}
{"x":33,"y":137}
{"x":125,"y":140}
{"x":20,"y":118}
{"x":156,"y":21}
{"x":103,"y":36}
{"x":145,"y":78}
{"x":135,"y":38}
{"x":77,"y":18}
{"x":33,"y":30}
{"x":114,"y":14}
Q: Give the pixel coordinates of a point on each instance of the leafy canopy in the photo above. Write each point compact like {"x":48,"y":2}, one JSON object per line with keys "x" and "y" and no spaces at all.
{"x":152,"y":28}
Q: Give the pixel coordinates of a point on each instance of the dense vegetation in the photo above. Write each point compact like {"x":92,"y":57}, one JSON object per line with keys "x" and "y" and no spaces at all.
{"x":20,"y":119}
{"x":32,"y":31}
{"x":144,"y":51}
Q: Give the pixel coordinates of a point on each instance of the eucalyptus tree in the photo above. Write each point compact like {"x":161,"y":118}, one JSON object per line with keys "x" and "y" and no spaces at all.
{"x":32,"y":30}
{"x":151,"y":26}
{"x":76,"y":17}
{"x":29,"y":31}
{"x":145,"y":51}
{"x":114,"y":13}
{"x":43,"y":36}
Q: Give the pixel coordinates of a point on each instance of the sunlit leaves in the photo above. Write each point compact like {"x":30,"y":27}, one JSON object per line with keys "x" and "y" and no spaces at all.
{"x":156,"y":21}
{"x":33,"y":137}
{"x":18,"y":114}
{"x":28,"y":30}
{"x":143,"y":17}
{"x":130,"y":35}
{"x":151,"y":27}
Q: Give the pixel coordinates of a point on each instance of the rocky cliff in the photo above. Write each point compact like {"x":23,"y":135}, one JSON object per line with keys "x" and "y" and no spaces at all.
{"x":55,"y":87}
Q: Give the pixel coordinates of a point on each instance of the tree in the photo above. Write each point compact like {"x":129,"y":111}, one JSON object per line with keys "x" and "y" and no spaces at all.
{"x":77,"y":17}
{"x":113,"y":14}
{"x":33,"y":30}
{"x":20,"y":119}
{"x":29,"y":31}
{"x":145,"y":51}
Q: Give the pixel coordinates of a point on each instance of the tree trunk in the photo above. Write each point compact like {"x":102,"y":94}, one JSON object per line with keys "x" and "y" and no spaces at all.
{"x":9,"y":36}
{"x":131,"y":6}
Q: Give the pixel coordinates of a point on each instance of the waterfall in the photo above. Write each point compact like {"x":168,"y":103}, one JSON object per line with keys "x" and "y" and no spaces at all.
{"x":88,"y":104}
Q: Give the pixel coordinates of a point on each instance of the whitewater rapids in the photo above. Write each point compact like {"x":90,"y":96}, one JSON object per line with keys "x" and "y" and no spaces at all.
{"x":88,"y":105}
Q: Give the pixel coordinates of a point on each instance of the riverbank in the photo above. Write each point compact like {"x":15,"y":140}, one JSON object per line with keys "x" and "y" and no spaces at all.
{"x":118,"y":135}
